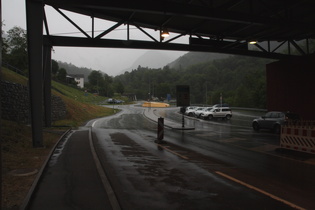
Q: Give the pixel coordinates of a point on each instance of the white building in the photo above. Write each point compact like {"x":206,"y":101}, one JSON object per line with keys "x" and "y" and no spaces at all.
{"x":79,"y":79}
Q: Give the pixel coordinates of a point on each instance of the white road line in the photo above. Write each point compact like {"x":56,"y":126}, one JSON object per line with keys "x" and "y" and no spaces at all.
{"x":93,"y":124}
{"x":260,"y":191}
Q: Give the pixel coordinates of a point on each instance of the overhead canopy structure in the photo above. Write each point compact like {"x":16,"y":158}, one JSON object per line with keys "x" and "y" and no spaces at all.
{"x":224,"y":26}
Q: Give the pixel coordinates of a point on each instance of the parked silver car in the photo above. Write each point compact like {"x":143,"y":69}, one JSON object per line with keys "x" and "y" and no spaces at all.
{"x":219,"y":112}
{"x":190,"y":111}
{"x":201,"y":110}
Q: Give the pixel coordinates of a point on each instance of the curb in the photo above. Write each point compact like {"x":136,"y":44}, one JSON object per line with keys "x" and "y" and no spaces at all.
{"x":143,"y":113}
{"x":165,"y":125}
{"x":26,"y":202}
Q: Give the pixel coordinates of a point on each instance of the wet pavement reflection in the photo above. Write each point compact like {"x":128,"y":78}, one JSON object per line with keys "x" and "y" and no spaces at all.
{"x":186,"y":171}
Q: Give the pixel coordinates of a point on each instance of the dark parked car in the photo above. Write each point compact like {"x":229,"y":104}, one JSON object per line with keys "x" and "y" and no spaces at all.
{"x":273,"y":121}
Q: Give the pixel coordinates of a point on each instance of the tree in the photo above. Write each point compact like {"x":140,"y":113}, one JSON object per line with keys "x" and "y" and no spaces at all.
{"x":15,"y":52}
{"x":54,"y":67}
{"x":62,"y":75}
{"x":95,"y":78}
{"x":108,"y":89}
{"x":100,"y":83}
{"x":119,"y":88}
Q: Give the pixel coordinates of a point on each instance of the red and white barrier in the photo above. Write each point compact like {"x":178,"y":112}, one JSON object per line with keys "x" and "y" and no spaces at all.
{"x":300,"y":138}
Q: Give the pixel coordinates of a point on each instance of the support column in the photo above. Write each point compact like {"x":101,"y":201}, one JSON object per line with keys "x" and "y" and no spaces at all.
{"x":47,"y":85}
{"x":0,"y":103}
{"x":34,"y":20}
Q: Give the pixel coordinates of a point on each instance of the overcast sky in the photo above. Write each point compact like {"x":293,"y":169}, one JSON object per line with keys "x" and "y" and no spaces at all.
{"x":110,"y":61}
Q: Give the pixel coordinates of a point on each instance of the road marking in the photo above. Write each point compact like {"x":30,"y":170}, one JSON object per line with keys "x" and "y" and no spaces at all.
{"x":260,"y":191}
{"x":93,"y":124}
{"x":108,"y":188}
{"x":171,"y":151}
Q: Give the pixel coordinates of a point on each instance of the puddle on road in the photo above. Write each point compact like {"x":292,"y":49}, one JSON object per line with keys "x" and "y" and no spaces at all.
{"x":58,"y":150}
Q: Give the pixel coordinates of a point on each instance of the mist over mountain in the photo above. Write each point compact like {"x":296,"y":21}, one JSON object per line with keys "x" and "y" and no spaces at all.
{"x":192,"y":58}
{"x":150,"y":59}
{"x":154,"y":60}
{"x":72,"y":69}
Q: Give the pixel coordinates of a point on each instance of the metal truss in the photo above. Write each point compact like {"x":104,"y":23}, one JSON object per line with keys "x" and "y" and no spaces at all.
{"x":196,"y":42}
{"x":233,"y":21}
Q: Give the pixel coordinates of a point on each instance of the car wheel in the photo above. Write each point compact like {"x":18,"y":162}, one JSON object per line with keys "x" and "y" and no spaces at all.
{"x":190,"y":114}
{"x":255,"y":126}
{"x":210,"y":117}
{"x":228,"y":117}
{"x":276,"y":129}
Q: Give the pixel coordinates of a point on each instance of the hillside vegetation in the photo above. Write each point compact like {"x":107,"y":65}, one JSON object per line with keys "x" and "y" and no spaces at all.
{"x":16,"y":138}
{"x":193,"y":58}
{"x":72,"y":69}
{"x":80,"y":105}
{"x":241,"y":81}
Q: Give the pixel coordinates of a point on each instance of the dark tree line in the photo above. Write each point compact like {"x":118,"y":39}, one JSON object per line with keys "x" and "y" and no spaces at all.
{"x":104,"y":84}
{"x":241,"y":81}
{"x":14,"y":53}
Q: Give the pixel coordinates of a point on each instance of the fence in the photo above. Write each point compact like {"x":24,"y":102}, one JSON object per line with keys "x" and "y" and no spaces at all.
{"x":13,"y":68}
{"x":299,"y":136}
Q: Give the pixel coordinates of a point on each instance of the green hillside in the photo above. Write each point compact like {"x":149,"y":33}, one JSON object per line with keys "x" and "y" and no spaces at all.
{"x":16,"y":138}
{"x":80,"y":105}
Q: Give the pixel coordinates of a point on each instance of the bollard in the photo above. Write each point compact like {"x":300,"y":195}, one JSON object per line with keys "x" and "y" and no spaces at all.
{"x":160,"y":133}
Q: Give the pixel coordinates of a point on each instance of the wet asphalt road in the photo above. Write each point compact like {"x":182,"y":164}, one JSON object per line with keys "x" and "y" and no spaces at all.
{"x":219,"y":165}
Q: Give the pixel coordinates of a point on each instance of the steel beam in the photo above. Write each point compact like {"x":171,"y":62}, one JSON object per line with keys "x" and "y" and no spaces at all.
{"x":62,"y":41}
{"x":35,"y":58}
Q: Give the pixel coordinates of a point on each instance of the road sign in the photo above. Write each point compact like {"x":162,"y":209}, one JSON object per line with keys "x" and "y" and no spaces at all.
{"x":183,"y":95}
{"x":168,"y":97}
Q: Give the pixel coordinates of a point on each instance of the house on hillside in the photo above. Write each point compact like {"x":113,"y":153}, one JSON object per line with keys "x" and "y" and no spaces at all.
{"x":79,"y":79}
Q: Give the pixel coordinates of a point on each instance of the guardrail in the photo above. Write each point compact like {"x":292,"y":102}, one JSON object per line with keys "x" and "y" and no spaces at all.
{"x":13,"y":68}
{"x":299,"y":136}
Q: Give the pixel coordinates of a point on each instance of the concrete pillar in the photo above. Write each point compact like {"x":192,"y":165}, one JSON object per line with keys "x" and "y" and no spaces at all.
{"x":290,"y":86}
{"x":34,"y":21}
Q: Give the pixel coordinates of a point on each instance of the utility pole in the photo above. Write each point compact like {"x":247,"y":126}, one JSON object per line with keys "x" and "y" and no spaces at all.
{"x":206,"y":92}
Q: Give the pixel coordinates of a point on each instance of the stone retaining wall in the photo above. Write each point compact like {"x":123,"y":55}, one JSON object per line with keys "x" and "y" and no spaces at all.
{"x":15,"y":103}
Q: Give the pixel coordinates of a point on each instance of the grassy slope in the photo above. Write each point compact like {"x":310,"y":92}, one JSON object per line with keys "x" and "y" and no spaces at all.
{"x":16,"y":139}
{"x":80,"y":105}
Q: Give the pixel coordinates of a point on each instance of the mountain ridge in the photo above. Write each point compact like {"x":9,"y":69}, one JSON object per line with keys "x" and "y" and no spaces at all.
{"x":153,"y":60}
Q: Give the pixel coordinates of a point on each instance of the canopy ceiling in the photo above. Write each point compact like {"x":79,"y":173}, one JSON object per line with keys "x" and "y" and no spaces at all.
{"x":213,"y":25}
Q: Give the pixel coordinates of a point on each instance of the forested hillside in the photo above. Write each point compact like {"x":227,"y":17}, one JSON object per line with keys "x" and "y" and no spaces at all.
{"x":72,"y":69}
{"x":192,"y":58}
{"x":241,"y":80}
